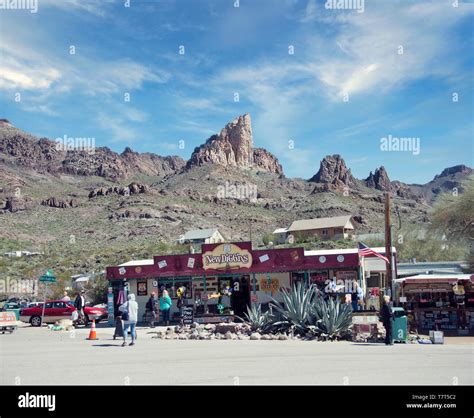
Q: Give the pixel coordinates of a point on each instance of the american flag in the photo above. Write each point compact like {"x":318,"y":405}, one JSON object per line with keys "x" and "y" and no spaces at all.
{"x":364,"y":251}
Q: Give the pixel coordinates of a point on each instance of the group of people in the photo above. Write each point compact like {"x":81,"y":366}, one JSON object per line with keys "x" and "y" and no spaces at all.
{"x":154,"y":308}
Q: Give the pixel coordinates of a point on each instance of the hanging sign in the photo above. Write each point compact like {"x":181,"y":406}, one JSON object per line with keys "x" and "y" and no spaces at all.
{"x":226,"y":256}
{"x":191,"y":262}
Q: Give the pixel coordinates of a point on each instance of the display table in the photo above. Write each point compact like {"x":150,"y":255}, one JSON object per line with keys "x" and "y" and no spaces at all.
{"x":441,"y":318}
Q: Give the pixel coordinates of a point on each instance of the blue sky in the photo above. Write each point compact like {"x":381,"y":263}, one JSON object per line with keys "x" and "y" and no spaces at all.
{"x":300,"y":97}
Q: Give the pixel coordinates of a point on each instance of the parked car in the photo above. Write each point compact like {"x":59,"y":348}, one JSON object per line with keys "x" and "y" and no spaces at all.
{"x":56,"y":310}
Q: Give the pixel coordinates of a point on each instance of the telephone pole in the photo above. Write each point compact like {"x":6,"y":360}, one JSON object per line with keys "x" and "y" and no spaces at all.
{"x":388,"y":243}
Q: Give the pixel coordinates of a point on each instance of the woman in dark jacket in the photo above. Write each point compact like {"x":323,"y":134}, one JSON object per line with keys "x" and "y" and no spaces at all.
{"x":387,"y":319}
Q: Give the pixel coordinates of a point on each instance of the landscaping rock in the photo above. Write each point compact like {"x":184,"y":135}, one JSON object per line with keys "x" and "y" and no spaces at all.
{"x":229,"y":335}
{"x":282,"y":337}
{"x":210,"y":327}
{"x":223,"y":328}
{"x":255,"y":336}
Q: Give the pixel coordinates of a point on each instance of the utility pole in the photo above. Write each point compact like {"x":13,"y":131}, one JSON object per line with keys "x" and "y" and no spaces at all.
{"x":388,"y":243}
{"x":250,"y":230}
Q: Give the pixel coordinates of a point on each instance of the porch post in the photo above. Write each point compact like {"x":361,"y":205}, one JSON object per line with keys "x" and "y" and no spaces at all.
{"x":206,"y":309}
{"x":254,"y":286}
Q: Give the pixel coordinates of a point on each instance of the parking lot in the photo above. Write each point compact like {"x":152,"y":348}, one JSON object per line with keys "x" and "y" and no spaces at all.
{"x":39,"y":356}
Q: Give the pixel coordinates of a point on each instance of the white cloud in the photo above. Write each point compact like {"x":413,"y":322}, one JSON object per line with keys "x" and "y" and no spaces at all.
{"x":369,"y":58}
{"x":94,"y":7}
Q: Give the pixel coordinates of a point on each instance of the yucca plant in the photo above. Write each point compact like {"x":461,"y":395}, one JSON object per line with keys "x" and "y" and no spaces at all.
{"x":257,"y":320}
{"x":296,"y":310}
{"x":334,"y":318}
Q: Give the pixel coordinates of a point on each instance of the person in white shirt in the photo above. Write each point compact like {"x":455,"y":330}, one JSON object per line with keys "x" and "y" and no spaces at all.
{"x":130,"y":309}
{"x":66,"y":298}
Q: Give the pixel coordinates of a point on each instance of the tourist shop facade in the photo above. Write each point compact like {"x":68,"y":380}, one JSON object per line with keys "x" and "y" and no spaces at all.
{"x":224,"y":279}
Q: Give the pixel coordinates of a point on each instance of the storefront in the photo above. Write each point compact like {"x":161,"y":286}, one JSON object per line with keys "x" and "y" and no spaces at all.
{"x":442,"y":302}
{"x":225,"y":278}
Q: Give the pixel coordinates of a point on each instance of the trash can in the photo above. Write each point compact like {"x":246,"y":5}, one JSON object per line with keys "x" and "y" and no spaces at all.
{"x":400,"y":325}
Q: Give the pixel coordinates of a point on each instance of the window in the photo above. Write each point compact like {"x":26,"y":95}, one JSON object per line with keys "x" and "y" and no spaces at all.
{"x":58,"y":305}
{"x":325,"y":232}
{"x":48,"y":305}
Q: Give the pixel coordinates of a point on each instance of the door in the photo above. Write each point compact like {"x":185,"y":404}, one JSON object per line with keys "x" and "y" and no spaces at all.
{"x":240,"y":295}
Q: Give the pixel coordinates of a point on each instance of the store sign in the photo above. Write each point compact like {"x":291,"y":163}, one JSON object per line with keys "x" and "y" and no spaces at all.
{"x":346,"y":275}
{"x":190,"y":262}
{"x":162,"y":264}
{"x":269,"y":285}
{"x":188,"y":315}
{"x":226,"y":256}
{"x":142,"y":288}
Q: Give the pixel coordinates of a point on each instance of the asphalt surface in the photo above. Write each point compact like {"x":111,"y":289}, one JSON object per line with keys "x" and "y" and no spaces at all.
{"x":38,"y":356}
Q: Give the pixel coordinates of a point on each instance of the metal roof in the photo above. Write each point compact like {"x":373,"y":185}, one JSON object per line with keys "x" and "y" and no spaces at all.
{"x":346,"y":251}
{"x":318,"y":223}
{"x":137,"y":263}
{"x":439,"y":277}
{"x":198,"y":234}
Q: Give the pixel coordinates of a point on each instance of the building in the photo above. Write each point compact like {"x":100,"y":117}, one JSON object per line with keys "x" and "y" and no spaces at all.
{"x":280,"y":236}
{"x":202,"y":236}
{"x":439,"y":301}
{"x":335,"y":228}
{"x":225,"y":278}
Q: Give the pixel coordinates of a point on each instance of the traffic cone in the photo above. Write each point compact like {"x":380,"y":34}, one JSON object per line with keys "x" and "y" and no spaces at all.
{"x":92,"y":334}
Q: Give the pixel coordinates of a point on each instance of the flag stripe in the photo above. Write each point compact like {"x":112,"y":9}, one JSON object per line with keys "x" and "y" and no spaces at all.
{"x":366,"y":251}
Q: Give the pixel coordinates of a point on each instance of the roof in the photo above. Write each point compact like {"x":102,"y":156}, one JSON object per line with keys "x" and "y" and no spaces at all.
{"x":198,"y":234}
{"x":436,"y":277}
{"x":137,"y":263}
{"x":279,"y":231}
{"x":346,"y":251}
{"x":318,"y":223}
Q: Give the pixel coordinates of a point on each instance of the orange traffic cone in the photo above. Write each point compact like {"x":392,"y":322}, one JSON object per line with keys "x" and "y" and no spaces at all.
{"x":92,"y":334}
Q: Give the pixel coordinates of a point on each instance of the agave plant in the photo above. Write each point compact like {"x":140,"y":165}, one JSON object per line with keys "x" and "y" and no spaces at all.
{"x":296,"y":310}
{"x":333,"y":317}
{"x":257,"y":320}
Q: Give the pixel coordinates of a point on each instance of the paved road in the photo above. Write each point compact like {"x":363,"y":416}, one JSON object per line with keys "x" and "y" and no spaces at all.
{"x":39,"y":356}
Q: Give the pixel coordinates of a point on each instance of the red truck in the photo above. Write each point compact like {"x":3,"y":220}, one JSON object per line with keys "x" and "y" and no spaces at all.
{"x":59,"y":309}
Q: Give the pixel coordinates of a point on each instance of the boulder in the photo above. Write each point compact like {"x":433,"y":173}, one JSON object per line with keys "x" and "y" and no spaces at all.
{"x":255,"y":336}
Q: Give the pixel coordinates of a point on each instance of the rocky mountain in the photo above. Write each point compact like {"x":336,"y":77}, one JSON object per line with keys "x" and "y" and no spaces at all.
{"x":108,"y":200}
{"x":449,"y":180}
{"x":333,"y":171}
{"x":379,"y":180}
{"x":233,"y":147}
{"x":46,"y":156}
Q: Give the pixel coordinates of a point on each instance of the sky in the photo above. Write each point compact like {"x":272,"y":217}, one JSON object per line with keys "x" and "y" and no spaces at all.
{"x":162,"y":76}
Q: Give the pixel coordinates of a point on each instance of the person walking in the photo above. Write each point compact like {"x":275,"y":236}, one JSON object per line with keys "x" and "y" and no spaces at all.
{"x":66,"y":298}
{"x":130,"y":317}
{"x":79,"y":304}
{"x":151,"y":309}
{"x":387,"y":319}
{"x":165,"y":306}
